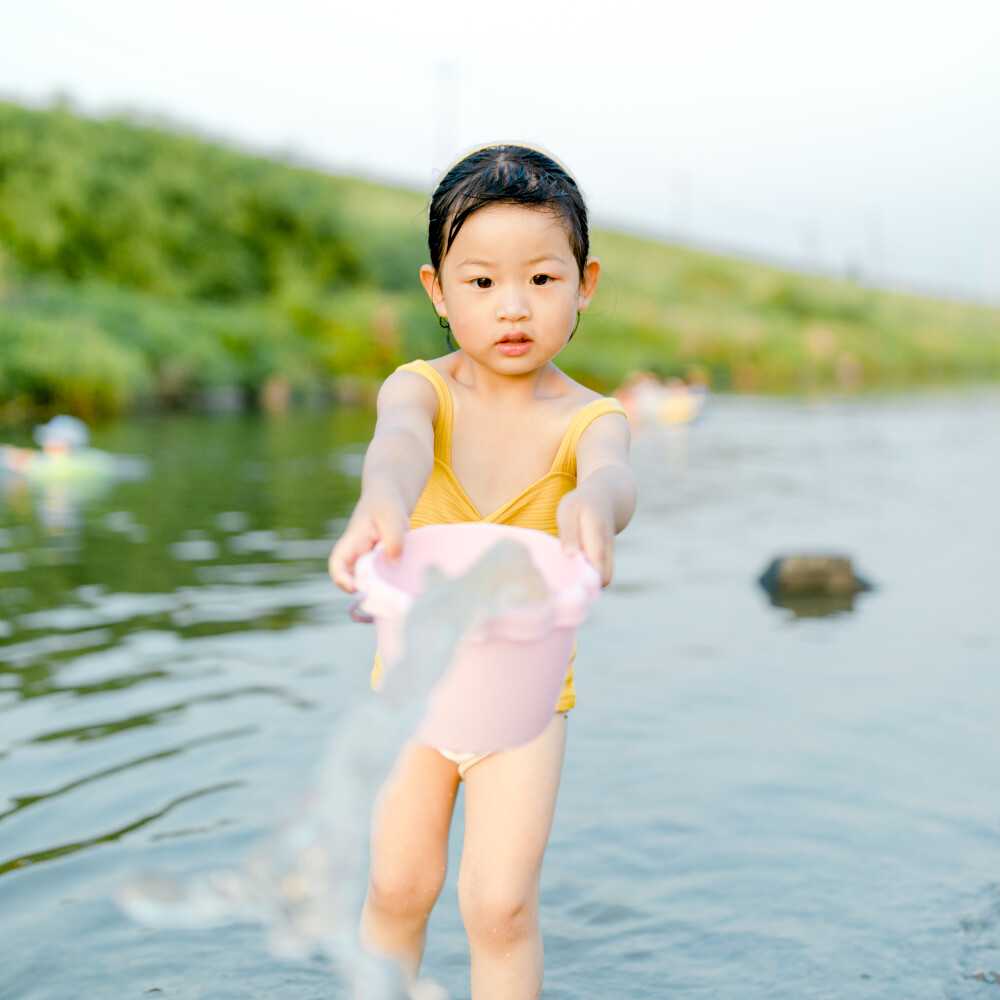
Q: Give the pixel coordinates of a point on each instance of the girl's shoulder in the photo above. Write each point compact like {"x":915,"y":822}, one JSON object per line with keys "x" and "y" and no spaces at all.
{"x":594,"y":416}
{"x":443,"y":365}
{"x":577,"y":396}
{"x":407,"y":387}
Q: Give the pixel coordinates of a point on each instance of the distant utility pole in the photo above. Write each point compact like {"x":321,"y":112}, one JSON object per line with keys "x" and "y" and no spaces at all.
{"x":811,"y":248}
{"x":875,"y":250}
{"x":680,"y":189}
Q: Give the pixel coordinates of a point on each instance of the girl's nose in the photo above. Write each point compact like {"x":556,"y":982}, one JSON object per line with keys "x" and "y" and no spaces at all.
{"x":513,"y":306}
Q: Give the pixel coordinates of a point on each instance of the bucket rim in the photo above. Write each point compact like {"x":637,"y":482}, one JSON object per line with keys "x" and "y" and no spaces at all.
{"x":565,"y":608}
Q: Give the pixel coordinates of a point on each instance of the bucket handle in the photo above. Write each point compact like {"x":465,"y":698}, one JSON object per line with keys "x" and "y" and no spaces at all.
{"x":357,"y":615}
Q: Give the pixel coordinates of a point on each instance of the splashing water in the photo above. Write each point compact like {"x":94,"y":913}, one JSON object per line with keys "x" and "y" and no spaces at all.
{"x":307,"y":882}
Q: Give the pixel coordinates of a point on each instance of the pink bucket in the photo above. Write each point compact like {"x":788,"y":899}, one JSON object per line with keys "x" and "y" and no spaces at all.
{"x":504,"y":682}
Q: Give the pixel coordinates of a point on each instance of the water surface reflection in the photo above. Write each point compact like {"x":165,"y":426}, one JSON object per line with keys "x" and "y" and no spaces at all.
{"x":754,"y":804}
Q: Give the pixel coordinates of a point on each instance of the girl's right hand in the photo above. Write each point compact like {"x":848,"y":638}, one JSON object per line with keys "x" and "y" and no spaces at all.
{"x":375,"y":519}
{"x":397,"y":465}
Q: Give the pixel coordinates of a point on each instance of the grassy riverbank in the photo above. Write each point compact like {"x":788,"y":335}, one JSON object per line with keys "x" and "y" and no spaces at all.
{"x":139,"y":266}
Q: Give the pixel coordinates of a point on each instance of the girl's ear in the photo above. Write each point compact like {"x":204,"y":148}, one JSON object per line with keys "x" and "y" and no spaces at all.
{"x":432,"y":286}
{"x":591,"y":272}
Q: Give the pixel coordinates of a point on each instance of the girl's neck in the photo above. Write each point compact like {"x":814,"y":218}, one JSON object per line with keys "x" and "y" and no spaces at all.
{"x":525,"y":387}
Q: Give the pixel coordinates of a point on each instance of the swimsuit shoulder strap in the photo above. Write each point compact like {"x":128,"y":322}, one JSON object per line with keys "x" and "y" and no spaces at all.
{"x":442,"y":425}
{"x":565,"y":460}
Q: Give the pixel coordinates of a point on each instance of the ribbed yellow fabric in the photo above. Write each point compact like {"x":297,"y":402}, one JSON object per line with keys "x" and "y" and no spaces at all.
{"x":443,"y":500}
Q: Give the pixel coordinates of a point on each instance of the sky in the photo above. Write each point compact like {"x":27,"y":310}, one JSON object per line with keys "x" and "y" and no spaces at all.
{"x":853,"y":138}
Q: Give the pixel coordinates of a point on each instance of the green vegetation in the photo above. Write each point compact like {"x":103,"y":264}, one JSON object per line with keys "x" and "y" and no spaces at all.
{"x":139,"y":265}
{"x":752,"y":328}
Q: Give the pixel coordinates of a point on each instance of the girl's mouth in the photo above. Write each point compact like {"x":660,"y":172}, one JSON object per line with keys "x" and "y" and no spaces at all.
{"x":514,"y":344}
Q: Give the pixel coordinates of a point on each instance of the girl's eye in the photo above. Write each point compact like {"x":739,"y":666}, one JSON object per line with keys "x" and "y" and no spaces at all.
{"x":541,"y":279}
{"x":484,"y":282}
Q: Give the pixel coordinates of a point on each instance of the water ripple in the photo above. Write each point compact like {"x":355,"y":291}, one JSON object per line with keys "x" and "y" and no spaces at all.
{"x":25,"y":801}
{"x":73,"y":847}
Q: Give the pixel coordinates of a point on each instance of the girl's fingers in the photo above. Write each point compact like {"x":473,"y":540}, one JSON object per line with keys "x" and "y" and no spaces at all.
{"x":353,"y":543}
{"x":569,"y":535}
{"x":597,"y":547}
{"x":391,"y":536}
{"x":361,"y":538}
{"x":582,"y":528}
{"x":341,"y":569}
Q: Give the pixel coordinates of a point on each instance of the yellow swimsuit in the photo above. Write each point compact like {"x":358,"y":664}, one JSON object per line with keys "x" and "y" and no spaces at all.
{"x":443,"y":500}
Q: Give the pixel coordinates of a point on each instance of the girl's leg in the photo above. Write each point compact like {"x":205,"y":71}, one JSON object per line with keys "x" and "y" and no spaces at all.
{"x":409,"y":854}
{"x":510,"y":800}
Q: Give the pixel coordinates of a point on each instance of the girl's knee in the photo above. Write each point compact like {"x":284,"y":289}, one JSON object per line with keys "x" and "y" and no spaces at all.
{"x":502,"y":910}
{"x":405,"y":892}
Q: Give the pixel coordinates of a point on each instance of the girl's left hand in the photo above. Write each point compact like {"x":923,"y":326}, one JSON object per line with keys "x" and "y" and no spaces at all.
{"x":587,"y":524}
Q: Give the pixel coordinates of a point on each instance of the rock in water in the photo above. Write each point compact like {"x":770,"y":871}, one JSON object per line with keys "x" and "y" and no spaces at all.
{"x":812,"y":576}
{"x":812,"y":585}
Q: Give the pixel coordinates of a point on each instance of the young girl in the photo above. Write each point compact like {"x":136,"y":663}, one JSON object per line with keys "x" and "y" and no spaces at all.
{"x":496,"y":432}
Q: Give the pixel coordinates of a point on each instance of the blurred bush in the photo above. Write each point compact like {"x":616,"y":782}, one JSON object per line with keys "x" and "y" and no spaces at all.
{"x":162,"y":213}
{"x":138,"y":265}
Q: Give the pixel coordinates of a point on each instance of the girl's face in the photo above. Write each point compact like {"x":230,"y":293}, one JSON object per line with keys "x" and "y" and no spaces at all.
{"x":510,"y":287}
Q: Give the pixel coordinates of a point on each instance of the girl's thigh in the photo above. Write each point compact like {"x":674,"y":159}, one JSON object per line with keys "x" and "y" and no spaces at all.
{"x":413,"y":811}
{"x":510,"y":801}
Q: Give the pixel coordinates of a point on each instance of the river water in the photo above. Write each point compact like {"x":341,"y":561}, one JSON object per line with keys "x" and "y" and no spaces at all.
{"x":757,"y":803}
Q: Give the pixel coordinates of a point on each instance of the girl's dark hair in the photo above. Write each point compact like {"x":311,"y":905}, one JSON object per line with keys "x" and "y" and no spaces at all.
{"x":505,"y":175}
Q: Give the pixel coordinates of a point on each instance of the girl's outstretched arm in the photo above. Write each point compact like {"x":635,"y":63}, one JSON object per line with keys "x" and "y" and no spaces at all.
{"x":603,"y":502}
{"x":397,"y":466}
